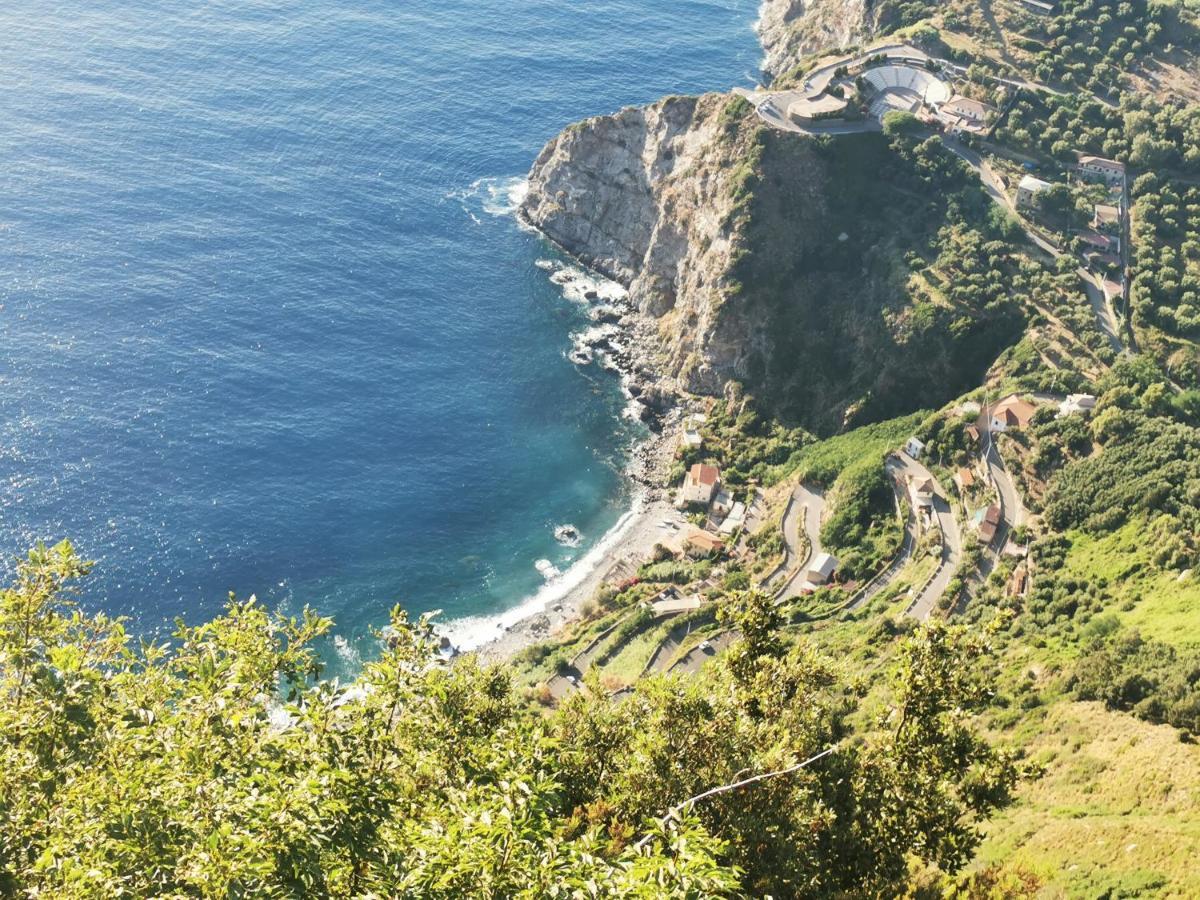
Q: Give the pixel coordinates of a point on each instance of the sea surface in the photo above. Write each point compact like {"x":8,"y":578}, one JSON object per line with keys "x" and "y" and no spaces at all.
{"x":267,"y":324}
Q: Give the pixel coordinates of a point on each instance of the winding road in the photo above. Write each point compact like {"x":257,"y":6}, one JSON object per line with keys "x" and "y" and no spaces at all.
{"x":872,"y":588}
{"x":807,"y":505}
{"x":931,"y":592}
{"x":994,"y":188}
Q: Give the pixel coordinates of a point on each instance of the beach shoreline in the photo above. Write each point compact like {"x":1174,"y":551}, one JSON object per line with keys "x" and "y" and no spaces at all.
{"x":632,"y":542}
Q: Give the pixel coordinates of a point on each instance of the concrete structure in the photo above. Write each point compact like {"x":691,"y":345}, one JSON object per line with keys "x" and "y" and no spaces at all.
{"x":735,"y":520}
{"x":961,"y":113}
{"x":920,"y":84}
{"x":700,"y":485}
{"x":1076,"y":403}
{"x":1011,"y":412}
{"x":1097,"y":168}
{"x":807,"y":110}
{"x":669,"y":603}
{"x":1039,"y":6}
{"x":821,"y":569}
{"x":914,"y":447}
{"x":1028,"y":189}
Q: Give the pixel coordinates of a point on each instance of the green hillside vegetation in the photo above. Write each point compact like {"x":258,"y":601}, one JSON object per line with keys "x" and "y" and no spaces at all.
{"x":919,"y":285}
{"x":216,"y":764}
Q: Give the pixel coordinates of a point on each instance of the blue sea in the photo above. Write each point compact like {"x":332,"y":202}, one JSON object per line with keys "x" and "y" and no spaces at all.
{"x":267,"y":324}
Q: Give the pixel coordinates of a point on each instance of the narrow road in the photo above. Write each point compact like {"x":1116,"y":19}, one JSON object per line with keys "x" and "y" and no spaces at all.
{"x":1011,"y":507}
{"x":807,"y":506}
{"x":994,"y":188}
{"x":927,"y":599}
{"x":877,"y":584}
{"x":699,"y":655}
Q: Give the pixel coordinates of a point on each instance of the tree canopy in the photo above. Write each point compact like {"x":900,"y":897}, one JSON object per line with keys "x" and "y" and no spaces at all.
{"x":219,"y":763}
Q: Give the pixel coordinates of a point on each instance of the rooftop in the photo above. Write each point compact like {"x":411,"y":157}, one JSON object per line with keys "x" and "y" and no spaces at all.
{"x":704,"y":474}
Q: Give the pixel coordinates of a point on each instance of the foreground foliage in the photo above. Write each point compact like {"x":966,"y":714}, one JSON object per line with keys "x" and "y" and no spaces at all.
{"x":218,"y":764}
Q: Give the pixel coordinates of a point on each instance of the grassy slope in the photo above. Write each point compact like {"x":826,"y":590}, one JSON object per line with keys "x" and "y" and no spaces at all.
{"x":1114,"y":811}
{"x":1163,"y":606}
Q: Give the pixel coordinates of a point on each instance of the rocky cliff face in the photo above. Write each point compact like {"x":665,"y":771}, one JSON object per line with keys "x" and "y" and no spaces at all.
{"x":648,"y":197}
{"x":792,"y":29}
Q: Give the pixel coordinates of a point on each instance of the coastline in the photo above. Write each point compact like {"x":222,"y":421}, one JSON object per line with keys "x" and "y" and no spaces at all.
{"x":620,"y":343}
{"x":617,"y":557}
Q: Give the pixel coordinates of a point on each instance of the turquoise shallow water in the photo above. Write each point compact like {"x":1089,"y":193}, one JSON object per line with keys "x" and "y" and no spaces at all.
{"x":266,"y":325}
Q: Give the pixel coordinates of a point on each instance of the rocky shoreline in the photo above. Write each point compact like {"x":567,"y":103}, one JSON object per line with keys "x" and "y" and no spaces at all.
{"x":622,"y":341}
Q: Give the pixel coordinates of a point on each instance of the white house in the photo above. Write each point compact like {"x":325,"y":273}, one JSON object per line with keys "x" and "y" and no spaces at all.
{"x":1028,"y":189}
{"x":964,"y":114}
{"x":821,"y":568}
{"x":1097,"y":168}
{"x":922,"y":492}
{"x":700,"y":485}
{"x":914,"y":447}
{"x":691,"y":436}
{"x":735,"y":519}
{"x":1011,"y":412}
{"x":1076,"y":403}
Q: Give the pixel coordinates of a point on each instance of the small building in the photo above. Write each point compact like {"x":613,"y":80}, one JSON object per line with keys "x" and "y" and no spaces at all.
{"x":697,"y":540}
{"x":1040,"y":7}
{"x":961,"y":113}
{"x":735,"y":520}
{"x":671,"y":604}
{"x":821,"y":569}
{"x":987,"y":522}
{"x":1097,"y":168}
{"x":1075,"y":404}
{"x":1011,"y":412}
{"x":722,"y":503}
{"x":1028,"y":189}
{"x":1102,"y":242}
{"x":964,"y":480}
{"x":914,"y":447}
{"x":972,"y":433}
{"x":700,"y":485}
{"x":922,"y":491}
{"x":1106,"y":218}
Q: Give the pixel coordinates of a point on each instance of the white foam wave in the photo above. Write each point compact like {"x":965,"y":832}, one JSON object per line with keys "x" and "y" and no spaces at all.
{"x":497,"y":197}
{"x":471,"y":632}
{"x":581,"y":286}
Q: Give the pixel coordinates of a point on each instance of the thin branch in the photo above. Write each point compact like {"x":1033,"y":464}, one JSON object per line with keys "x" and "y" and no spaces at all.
{"x":724,"y":788}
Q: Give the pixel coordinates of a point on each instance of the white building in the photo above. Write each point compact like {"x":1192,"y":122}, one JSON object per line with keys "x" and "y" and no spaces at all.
{"x":821,"y":568}
{"x":1028,"y":189}
{"x":914,"y":447}
{"x":922,"y":491}
{"x":1097,"y":168}
{"x":735,"y":520}
{"x":700,"y":485}
{"x":1076,"y":403}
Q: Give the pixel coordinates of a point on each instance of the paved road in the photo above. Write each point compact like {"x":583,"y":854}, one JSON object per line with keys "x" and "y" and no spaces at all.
{"x":926,"y":601}
{"x":895,"y":469}
{"x":994,"y":188}
{"x":807,"y":505}
{"x":697,"y":657}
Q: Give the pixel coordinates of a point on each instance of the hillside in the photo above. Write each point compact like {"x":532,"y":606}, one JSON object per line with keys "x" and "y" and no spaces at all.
{"x":926,"y":622}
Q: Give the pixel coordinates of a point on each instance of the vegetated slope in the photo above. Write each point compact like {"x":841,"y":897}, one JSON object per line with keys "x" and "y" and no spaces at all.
{"x":875,"y":270}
